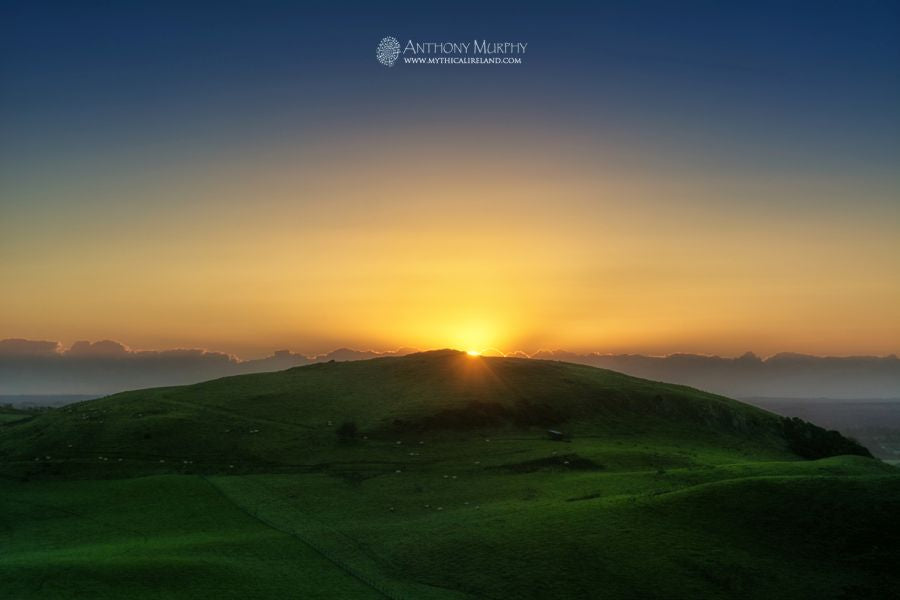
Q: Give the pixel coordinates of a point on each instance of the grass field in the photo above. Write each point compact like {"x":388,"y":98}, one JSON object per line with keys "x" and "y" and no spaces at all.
{"x":12,"y":415}
{"x":150,"y":537}
{"x":449,"y":488}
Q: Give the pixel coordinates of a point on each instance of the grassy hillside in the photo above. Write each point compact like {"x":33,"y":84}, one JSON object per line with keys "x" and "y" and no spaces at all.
{"x":447,"y":487}
{"x":288,"y":419}
{"x":8,"y":414}
{"x":152,"y":537}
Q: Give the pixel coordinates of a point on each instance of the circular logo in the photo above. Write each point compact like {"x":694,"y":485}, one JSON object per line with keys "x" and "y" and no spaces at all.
{"x":388,"y":50}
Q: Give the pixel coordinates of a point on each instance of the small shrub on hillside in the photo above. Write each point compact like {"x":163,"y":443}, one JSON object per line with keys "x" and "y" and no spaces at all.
{"x":811,"y":441}
{"x":347,"y":432}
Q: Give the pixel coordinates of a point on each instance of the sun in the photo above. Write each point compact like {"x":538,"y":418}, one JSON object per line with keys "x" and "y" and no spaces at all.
{"x":473,"y":352}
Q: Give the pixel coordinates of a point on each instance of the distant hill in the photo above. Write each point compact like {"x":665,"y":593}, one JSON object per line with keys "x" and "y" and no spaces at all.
{"x":783,"y":375}
{"x":29,"y":367}
{"x":37,"y":368}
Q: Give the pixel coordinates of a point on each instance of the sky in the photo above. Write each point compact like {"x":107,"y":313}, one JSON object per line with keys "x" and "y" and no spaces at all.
{"x":655,"y":177}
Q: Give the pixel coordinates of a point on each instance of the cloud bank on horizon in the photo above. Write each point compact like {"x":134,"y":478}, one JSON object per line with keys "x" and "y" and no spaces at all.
{"x":37,"y":367}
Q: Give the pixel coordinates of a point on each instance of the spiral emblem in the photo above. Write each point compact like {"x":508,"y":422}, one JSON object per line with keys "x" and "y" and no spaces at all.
{"x":388,"y":50}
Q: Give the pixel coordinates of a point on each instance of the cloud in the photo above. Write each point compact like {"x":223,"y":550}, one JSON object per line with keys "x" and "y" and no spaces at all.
{"x":20,"y":347}
{"x":349,"y":354}
{"x":102,"y":367}
{"x":101,"y":348}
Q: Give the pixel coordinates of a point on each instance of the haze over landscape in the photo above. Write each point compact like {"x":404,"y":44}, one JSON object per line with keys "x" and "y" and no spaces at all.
{"x":30,"y":367}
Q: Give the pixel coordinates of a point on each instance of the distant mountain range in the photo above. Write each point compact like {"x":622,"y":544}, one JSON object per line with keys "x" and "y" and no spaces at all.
{"x":104,"y":367}
{"x":782,"y":375}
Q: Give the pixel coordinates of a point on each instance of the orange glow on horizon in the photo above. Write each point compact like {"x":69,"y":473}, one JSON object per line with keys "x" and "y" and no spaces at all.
{"x":504,"y":246}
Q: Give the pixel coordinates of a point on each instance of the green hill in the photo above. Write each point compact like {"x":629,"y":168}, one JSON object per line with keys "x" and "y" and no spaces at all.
{"x":288,"y":419}
{"x":433,"y":476}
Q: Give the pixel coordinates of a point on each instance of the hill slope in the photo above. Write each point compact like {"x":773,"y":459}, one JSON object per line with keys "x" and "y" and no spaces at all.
{"x":447,"y":486}
{"x":261,"y":421}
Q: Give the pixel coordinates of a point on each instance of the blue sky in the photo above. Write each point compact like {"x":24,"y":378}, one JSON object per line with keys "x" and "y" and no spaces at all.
{"x":820,"y":78}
